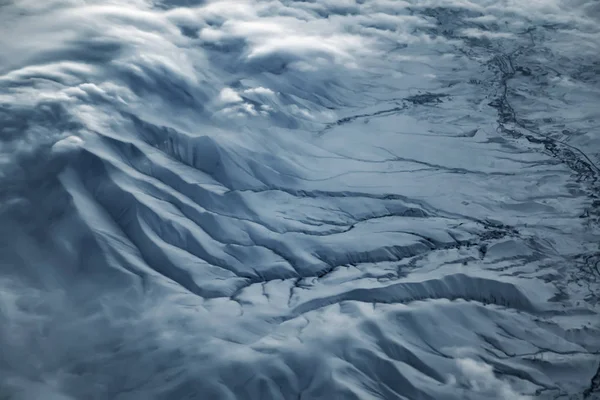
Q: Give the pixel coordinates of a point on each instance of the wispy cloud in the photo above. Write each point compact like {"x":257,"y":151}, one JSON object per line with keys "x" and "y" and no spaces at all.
{"x":481,"y":381}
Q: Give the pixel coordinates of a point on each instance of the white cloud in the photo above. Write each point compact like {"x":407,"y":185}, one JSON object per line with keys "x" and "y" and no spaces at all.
{"x":260,"y":91}
{"x":228,"y":95}
{"x":482,"y":380}
{"x":479,"y":33}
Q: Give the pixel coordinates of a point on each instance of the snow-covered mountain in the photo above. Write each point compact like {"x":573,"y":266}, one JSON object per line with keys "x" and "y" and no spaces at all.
{"x":328,"y":199}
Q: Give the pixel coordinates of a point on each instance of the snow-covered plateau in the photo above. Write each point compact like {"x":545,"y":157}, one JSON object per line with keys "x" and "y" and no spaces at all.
{"x":320,"y":199}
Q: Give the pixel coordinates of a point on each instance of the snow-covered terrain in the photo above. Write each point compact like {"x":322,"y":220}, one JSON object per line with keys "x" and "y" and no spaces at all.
{"x":328,"y":199}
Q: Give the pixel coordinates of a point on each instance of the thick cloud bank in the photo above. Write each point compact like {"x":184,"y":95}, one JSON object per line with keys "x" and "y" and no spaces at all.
{"x":299,"y":199}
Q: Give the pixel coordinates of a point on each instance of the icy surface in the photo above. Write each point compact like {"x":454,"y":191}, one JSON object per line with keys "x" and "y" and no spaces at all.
{"x":283,"y":199}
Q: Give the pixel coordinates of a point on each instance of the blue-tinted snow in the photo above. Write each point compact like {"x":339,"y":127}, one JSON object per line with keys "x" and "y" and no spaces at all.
{"x":299,"y":199}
